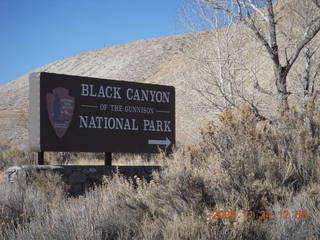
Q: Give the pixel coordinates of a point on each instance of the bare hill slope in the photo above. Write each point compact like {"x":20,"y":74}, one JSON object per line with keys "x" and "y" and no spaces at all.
{"x":188,"y":62}
{"x":151,"y":61}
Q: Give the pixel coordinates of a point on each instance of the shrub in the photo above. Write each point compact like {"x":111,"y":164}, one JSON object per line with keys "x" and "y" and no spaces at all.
{"x":22,"y":202}
{"x":284,"y":152}
{"x":11,"y":155}
{"x":306,"y":202}
{"x":242,"y":163}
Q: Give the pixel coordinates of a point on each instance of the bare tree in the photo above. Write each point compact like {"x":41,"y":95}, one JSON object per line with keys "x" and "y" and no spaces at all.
{"x":311,"y":66}
{"x":221,"y":56}
{"x":263,"y":18}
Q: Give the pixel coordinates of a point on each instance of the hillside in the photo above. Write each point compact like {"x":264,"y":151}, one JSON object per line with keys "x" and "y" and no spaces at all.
{"x":149,"y":61}
{"x":189,"y":62}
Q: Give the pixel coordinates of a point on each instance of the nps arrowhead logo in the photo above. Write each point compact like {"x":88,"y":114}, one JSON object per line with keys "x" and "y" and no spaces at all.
{"x":60,"y":106}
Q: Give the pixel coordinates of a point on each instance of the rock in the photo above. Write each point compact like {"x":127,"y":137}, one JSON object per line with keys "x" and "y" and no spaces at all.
{"x":77,"y":189}
{"x":77,"y":177}
{"x":12,"y":172}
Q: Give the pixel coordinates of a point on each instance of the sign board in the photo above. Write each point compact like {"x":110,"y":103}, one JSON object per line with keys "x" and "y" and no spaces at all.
{"x":82,"y":114}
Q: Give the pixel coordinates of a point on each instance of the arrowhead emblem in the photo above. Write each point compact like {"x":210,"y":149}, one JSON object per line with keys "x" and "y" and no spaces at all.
{"x":60,"y":106}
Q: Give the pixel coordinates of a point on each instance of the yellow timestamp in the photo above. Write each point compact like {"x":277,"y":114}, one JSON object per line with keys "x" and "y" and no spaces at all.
{"x":260,"y":214}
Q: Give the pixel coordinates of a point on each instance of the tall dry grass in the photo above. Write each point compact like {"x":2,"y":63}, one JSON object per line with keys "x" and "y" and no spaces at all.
{"x":12,"y":155}
{"x":242,"y":163}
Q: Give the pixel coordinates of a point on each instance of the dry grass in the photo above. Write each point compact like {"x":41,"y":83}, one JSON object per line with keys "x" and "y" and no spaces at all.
{"x":119,"y":161}
{"x":241,"y":164}
{"x":2,"y":177}
{"x":11,"y":155}
{"x":86,"y":161}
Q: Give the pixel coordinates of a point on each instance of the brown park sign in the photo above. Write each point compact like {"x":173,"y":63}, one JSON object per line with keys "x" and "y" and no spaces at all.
{"x":82,"y":114}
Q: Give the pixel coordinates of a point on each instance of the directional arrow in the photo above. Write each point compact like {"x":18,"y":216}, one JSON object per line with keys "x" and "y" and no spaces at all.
{"x":166,"y":142}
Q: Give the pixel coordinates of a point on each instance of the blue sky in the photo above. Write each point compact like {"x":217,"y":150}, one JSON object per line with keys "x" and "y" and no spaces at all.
{"x":37,"y":32}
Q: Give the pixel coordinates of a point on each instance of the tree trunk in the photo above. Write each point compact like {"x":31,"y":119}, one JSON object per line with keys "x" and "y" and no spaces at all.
{"x":281,"y":84}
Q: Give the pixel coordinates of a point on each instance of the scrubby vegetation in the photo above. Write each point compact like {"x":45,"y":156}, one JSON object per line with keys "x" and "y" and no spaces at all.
{"x":242,"y":163}
{"x":11,"y":155}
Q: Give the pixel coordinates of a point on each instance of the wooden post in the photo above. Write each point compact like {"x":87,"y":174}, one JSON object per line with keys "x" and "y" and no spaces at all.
{"x":41,"y":158}
{"x":107,"y":158}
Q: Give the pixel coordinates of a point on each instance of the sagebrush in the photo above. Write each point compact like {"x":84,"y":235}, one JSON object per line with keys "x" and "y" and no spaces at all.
{"x":242,"y":163}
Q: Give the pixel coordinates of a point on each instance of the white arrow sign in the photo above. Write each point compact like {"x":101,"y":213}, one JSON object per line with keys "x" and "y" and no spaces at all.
{"x":166,"y":142}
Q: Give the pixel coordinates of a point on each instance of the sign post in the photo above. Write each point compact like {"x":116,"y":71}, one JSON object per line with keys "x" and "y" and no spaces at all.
{"x":40,"y":158}
{"x":82,"y":114}
{"x":107,"y":159}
